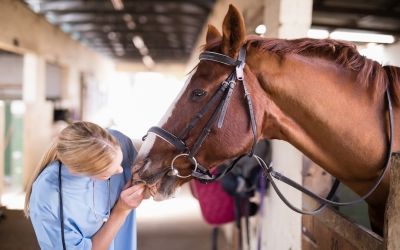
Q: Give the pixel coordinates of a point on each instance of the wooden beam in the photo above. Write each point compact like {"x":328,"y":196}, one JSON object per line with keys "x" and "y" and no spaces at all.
{"x":356,"y":235}
{"x":24,"y":31}
{"x":356,"y":27}
{"x":119,"y":14}
{"x":77,"y":5}
{"x":392,"y":216}
{"x":357,"y":11}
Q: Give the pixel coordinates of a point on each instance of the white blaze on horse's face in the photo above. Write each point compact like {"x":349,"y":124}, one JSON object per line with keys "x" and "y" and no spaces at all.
{"x":149,"y":166}
{"x":150,"y":140}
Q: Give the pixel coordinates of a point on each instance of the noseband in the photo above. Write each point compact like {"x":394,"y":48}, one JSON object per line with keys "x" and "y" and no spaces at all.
{"x":223,"y":94}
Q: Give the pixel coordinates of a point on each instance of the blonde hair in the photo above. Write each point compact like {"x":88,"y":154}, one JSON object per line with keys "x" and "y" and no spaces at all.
{"x":84,"y":147}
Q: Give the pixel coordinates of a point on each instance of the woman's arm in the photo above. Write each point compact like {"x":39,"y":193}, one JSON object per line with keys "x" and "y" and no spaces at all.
{"x":130,"y":198}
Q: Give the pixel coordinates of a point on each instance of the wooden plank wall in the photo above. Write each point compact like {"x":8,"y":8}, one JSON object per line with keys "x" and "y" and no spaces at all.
{"x":331,"y":230}
{"x":392,"y":216}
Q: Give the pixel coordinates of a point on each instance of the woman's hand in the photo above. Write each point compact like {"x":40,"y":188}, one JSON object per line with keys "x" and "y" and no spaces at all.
{"x":130,"y":197}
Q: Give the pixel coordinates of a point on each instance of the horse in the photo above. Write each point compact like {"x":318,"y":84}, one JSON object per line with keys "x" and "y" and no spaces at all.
{"x":321,"y":96}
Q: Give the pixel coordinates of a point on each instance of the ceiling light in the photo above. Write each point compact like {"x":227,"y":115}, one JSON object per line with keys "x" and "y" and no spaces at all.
{"x":131,"y":25}
{"x":51,"y":17}
{"x":118,"y":4}
{"x":127,"y":17}
{"x":138,"y":42}
{"x":144,"y":51}
{"x":261,"y":29}
{"x":148,"y":61}
{"x":112,"y":35}
{"x":35,"y":5}
{"x":362,"y":37}
{"x":373,"y":51}
{"x":318,"y":33}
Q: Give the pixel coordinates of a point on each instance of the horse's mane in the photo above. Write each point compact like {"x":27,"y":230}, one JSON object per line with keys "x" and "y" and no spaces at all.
{"x":368,"y":72}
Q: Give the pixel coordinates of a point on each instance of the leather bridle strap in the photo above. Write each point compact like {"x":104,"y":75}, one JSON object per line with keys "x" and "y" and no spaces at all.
{"x":204,"y":110}
{"x":238,"y":74}
{"x":218,"y":111}
{"x":170,"y":138}
{"x":219,"y":58}
{"x":239,"y":70}
{"x":250,"y":109}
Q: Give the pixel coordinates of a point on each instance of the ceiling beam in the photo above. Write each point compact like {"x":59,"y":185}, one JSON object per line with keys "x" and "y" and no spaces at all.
{"x":118,"y":16}
{"x":131,"y":11}
{"x":346,"y":26}
{"x":357,"y":11}
{"x":199,"y":7}
{"x":391,"y":4}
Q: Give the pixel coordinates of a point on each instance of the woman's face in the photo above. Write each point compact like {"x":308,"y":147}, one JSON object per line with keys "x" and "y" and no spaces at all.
{"x":114,"y":168}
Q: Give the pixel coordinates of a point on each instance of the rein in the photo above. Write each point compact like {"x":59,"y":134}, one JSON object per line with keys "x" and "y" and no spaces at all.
{"x":202,"y":174}
{"x":271,"y":174}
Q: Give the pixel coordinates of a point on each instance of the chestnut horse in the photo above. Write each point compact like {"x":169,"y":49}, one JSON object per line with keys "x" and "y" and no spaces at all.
{"x":321,"y":96}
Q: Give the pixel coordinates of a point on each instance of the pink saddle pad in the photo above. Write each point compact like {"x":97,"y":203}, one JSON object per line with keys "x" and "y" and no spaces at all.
{"x":217,"y":207}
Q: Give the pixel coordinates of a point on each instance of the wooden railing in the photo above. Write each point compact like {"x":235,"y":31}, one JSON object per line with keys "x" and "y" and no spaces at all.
{"x":392,"y":215}
{"x":331,"y":230}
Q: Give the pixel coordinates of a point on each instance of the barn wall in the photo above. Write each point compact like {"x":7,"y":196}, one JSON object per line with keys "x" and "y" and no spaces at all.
{"x":28,"y":34}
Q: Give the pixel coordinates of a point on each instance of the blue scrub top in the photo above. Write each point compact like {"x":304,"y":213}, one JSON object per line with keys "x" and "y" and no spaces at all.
{"x":85,"y":204}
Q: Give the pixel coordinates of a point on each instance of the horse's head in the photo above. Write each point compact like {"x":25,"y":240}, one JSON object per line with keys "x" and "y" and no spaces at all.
{"x":182,"y":140}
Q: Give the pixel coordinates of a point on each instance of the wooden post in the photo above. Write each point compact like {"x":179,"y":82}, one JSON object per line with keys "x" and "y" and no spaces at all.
{"x":392,"y":214}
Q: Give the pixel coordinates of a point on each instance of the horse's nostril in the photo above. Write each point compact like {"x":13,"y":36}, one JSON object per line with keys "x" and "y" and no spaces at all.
{"x":138,"y":181}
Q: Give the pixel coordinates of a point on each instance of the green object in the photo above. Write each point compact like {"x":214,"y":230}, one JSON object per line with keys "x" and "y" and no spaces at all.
{"x":13,"y":135}
{"x":359,"y":212}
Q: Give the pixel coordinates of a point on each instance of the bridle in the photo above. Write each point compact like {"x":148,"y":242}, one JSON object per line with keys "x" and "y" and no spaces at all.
{"x":224,"y":93}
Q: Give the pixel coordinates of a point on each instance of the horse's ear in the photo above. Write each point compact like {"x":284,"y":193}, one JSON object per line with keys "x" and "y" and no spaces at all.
{"x":213,"y":34}
{"x":233,"y":32}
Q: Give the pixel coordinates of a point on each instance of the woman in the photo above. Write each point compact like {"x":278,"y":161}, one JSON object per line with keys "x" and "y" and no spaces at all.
{"x":91,"y":166}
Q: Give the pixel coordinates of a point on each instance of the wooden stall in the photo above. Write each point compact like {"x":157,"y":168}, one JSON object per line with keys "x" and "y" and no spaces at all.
{"x":331,"y":230}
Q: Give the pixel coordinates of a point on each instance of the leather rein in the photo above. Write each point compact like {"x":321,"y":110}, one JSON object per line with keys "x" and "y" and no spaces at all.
{"x":224,"y":93}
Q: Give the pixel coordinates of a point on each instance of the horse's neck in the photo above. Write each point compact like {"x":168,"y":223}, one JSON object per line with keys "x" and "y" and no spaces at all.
{"x":317,"y":108}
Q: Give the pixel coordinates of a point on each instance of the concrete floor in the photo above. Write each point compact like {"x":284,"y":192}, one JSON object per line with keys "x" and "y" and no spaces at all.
{"x":174,"y":224}
{"x":16,"y":231}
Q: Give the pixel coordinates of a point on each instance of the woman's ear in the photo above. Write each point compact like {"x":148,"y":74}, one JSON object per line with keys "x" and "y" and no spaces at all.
{"x":213,"y":34}
{"x":233,"y":32}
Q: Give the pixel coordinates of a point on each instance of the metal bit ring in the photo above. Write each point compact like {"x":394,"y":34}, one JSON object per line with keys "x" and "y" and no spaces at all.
{"x":175,"y":172}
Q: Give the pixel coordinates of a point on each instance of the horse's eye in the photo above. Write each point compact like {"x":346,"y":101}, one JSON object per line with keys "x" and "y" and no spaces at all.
{"x":197,"y":93}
